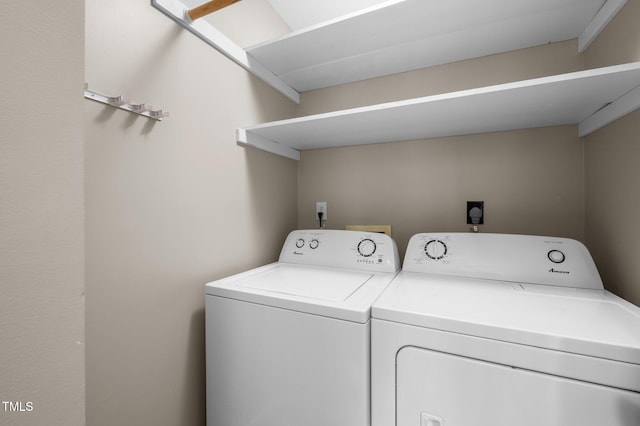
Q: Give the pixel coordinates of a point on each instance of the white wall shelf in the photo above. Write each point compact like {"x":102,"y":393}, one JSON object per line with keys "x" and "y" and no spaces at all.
{"x":591,"y":99}
{"x":404,"y":35}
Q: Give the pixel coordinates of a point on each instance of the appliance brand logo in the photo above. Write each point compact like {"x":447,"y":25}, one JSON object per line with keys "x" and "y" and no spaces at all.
{"x":298,"y":253}
{"x":558,"y":271}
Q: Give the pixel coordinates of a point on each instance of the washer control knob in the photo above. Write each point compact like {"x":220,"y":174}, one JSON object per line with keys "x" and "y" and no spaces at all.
{"x":367,"y":247}
{"x":314,"y":243}
{"x":435,"y":249}
{"x":556,"y":256}
{"x":299,"y":242}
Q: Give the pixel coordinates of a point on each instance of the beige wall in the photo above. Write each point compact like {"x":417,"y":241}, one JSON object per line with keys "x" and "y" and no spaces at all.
{"x":531,"y":183}
{"x":550,"y":59}
{"x":170,"y":206}
{"x":619,"y":43}
{"x":41,"y":212}
{"x":612,"y":172}
{"x":531,"y":180}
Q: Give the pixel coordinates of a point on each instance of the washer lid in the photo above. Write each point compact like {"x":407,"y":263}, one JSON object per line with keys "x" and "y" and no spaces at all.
{"x":581,"y":321}
{"x":336,"y":293}
{"x":322,"y":284}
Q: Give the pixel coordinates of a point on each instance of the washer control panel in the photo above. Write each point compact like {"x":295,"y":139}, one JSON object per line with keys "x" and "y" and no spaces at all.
{"x":342,"y":249}
{"x":516,"y":258}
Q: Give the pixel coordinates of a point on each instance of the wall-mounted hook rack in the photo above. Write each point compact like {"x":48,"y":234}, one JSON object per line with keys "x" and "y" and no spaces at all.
{"x":126,"y":104}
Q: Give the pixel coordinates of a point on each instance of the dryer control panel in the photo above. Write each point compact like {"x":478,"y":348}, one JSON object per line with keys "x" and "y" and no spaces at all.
{"x":504,"y":257}
{"x":367,"y":251}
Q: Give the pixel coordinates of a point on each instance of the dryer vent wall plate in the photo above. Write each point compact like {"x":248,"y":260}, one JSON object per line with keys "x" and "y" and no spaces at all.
{"x":381,"y":229}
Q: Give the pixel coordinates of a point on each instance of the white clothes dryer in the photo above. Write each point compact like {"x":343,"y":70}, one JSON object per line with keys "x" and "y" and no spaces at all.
{"x":288,"y":344}
{"x":503,"y":330}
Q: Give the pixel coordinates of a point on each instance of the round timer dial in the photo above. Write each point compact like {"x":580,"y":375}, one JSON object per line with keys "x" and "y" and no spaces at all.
{"x":367,"y":247}
{"x":435,"y":249}
{"x":556,"y":256}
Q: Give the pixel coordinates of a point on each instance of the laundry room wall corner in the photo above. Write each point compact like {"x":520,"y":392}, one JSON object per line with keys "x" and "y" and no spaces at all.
{"x":611,"y":169}
{"x":170,"y":206}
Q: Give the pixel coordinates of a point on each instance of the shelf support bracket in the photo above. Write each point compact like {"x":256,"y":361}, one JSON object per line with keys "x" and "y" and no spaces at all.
{"x":622,"y":106}
{"x":208,"y":8}
{"x":246,"y":138}
{"x":606,"y":13}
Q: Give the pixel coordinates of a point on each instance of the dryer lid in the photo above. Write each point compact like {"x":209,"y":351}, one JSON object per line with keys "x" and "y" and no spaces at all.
{"x":581,"y":321}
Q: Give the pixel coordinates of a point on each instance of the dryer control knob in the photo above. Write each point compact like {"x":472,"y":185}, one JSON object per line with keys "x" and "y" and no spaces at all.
{"x":556,"y":256}
{"x":299,"y":242}
{"x":435,"y":249}
{"x":314,"y":243}
{"x":367,"y":247}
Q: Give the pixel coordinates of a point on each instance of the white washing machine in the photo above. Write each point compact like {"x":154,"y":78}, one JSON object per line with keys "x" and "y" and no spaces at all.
{"x":503,"y":330}
{"x":288,"y":344}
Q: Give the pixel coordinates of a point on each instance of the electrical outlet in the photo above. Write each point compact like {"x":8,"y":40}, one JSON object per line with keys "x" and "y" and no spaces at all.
{"x":475,"y":212}
{"x":321,"y":206}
